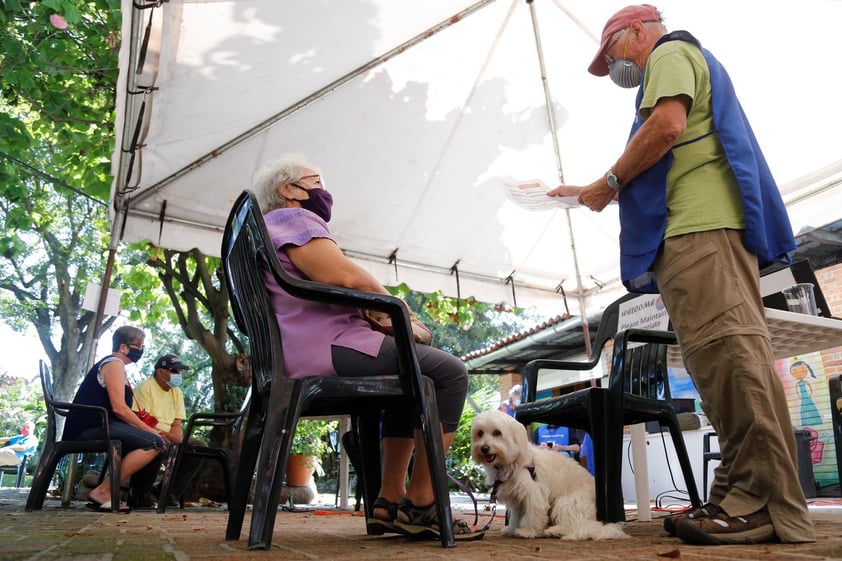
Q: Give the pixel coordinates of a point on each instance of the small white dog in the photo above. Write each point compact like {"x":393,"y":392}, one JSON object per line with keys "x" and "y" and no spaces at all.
{"x":546,"y":493}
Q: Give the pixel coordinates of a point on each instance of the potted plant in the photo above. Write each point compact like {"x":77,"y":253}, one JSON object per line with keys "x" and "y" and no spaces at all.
{"x":308,"y":446}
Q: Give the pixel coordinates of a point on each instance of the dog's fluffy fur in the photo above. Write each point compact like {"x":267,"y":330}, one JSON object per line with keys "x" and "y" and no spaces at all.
{"x":546,"y":493}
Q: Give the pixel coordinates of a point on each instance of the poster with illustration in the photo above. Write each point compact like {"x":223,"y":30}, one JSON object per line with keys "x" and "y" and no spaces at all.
{"x":682,"y":386}
{"x":805,"y":384}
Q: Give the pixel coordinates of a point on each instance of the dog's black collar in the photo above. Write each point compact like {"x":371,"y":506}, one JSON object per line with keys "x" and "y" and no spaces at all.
{"x":493,"y":497}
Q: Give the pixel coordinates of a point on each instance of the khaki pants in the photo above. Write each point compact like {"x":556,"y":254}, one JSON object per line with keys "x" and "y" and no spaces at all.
{"x":8,"y":457}
{"x":710,"y":285}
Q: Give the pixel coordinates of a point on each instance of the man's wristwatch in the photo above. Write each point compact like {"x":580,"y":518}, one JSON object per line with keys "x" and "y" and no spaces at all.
{"x":612,"y":181}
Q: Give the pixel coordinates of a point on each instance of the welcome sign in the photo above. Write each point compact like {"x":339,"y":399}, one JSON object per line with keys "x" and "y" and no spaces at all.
{"x":644,"y":312}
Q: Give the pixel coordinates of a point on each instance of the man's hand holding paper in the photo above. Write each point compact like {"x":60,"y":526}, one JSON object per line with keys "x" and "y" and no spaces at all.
{"x":595,"y":196}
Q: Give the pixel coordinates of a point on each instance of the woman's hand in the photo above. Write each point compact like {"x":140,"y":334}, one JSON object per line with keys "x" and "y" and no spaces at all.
{"x":421,"y":333}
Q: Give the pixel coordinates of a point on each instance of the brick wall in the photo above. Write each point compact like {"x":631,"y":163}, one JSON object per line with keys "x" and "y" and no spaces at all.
{"x":507,"y":381}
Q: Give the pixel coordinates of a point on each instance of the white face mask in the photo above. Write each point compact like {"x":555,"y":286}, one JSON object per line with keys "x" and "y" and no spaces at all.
{"x":175,"y":380}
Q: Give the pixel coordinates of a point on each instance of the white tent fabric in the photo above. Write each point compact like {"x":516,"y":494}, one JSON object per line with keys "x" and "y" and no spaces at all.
{"x":414,"y":109}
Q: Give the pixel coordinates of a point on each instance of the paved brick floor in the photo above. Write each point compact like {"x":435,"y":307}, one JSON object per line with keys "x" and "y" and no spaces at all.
{"x":197,"y":533}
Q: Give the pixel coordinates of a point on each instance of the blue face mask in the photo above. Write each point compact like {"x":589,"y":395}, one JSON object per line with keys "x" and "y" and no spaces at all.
{"x":175,"y":380}
{"x":135,"y":354}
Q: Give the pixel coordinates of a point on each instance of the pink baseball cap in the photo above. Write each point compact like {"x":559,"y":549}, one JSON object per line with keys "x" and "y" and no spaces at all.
{"x":617,"y":22}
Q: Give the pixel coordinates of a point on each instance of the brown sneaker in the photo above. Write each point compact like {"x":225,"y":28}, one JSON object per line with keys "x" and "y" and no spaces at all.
{"x":671,"y":522}
{"x":721,"y":529}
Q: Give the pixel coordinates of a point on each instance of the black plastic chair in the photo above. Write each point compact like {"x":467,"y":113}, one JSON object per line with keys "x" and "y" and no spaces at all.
{"x":278,"y":402}
{"x":637,"y":392}
{"x":227,"y":457}
{"x":707,"y":456}
{"x":55,"y":449}
{"x":344,"y":445}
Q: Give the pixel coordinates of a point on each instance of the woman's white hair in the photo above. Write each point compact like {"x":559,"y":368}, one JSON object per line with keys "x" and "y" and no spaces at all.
{"x":289,"y":168}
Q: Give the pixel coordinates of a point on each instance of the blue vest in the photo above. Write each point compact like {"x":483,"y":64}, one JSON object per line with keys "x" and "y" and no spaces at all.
{"x":643,"y":203}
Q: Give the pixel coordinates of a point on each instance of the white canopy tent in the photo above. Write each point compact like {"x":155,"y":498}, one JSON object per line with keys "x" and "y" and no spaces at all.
{"x":414,"y":109}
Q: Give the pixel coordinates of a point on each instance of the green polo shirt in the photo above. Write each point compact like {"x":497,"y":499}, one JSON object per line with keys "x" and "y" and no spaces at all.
{"x":702,"y":192}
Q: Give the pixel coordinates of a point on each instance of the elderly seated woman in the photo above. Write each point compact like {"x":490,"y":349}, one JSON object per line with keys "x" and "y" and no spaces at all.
{"x":327,"y":340}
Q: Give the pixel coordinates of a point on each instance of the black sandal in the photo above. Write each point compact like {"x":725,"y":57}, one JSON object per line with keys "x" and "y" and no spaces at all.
{"x":423,"y":522}
{"x":378,"y":526}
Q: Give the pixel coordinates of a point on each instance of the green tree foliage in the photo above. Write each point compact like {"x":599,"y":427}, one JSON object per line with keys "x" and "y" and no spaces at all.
{"x":58,"y":60}
{"x":463,"y":325}
{"x":197,"y":301}
{"x":51,"y":247}
{"x":22,"y":401}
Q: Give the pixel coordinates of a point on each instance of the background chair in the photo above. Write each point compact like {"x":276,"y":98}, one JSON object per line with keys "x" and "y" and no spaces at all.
{"x":55,"y":449}
{"x":278,"y":401}
{"x":707,"y":456}
{"x":227,"y":457}
{"x":344,"y":445}
{"x":637,"y":392}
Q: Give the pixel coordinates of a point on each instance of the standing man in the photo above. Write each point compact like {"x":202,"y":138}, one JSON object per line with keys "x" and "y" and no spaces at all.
{"x":700,"y":213}
{"x":161,"y":396}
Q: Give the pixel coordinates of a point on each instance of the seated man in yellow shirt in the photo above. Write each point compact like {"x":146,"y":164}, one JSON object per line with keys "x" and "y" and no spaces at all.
{"x":162,"y":397}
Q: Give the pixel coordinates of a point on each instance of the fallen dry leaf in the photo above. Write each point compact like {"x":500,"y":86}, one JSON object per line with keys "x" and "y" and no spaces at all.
{"x":674,"y":554}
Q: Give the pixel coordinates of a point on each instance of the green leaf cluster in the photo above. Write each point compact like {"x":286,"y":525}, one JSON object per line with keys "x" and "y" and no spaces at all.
{"x":22,"y":401}
{"x":58,"y":90}
{"x":311,"y":437}
{"x":462,"y":325}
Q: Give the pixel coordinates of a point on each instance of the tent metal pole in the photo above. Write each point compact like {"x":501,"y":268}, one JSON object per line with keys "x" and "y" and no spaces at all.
{"x":548,"y":102}
{"x":129,"y":115}
{"x":315,"y":96}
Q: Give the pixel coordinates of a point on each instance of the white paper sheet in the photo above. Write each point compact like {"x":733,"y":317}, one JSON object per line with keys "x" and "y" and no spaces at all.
{"x":531,"y":194}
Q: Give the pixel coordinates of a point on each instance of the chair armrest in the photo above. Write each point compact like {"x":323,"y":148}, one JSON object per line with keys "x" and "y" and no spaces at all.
{"x":331,"y":294}
{"x":203,"y":419}
{"x":530,"y":373}
{"x":635,"y":335}
{"x":65,"y":405}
